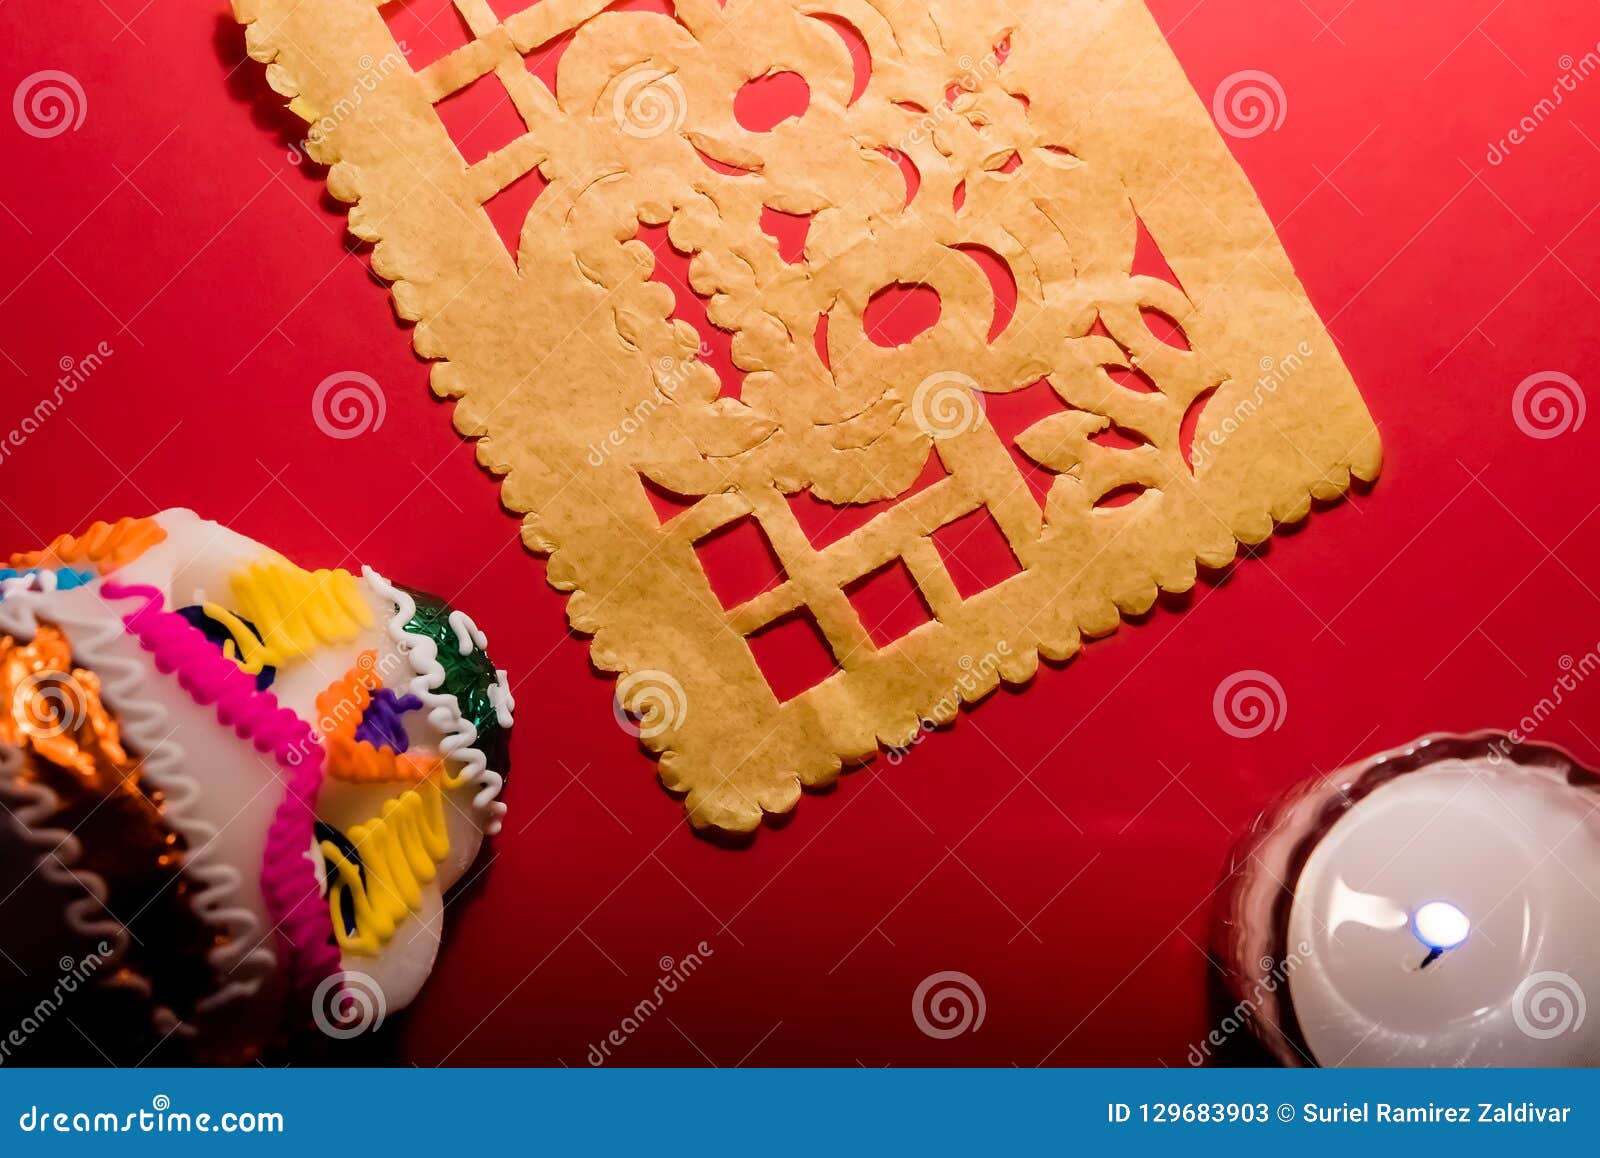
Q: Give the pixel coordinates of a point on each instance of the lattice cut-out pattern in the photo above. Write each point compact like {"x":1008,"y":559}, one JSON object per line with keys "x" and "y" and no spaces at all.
{"x":990,"y":183}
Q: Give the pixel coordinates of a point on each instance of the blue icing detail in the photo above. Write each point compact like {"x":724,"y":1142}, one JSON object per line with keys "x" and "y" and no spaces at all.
{"x":66,"y":577}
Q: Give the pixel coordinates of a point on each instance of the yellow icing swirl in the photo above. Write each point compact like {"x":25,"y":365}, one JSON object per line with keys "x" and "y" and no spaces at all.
{"x":295,"y":611}
{"x":401,"y":850}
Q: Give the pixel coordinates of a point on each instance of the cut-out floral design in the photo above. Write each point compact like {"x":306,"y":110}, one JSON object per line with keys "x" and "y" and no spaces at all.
{"x":1016,"y":161}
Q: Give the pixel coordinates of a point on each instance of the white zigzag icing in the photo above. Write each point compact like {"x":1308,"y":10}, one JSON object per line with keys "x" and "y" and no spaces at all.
{"x":444,"y":712}
{"x":61,"y":851}
{"x":58,"y":863}
{"x":145,"y":725}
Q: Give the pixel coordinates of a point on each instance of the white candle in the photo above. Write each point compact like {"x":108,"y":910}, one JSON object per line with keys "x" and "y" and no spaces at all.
{"x":1434,"y":906}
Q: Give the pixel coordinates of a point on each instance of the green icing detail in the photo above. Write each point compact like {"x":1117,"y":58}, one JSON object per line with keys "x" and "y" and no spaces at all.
{"x":466,"y":677}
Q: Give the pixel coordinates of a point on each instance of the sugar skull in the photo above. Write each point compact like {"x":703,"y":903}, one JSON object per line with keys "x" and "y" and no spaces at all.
{"x":237,"y":783}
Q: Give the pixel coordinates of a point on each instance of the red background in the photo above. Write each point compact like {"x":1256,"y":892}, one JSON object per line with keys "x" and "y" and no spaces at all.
{"x":1059,"y":845}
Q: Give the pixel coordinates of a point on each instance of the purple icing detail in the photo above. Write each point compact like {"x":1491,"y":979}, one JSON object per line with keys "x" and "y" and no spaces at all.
{"x":381,"y":725}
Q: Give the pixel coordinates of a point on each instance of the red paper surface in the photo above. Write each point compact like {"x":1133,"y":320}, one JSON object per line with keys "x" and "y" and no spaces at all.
{"x":1058,"y":846}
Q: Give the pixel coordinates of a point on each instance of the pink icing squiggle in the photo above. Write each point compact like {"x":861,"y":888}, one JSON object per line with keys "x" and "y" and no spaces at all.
{"x":288,"y":880}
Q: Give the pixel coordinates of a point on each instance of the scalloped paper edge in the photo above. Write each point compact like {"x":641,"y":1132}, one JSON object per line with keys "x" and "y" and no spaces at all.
{"x":705,"y":803}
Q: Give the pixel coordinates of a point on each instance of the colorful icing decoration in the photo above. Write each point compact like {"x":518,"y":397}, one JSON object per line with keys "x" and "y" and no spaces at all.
{"x":50,"y":579}
{"x":342,"y":709}
{"x":400,"y":851}
{"x":104,"y":546}
{"x":443,"y":710}
{"x":67,"y":758}
{"x":296,"y":612}
{"x":271,"y":829}
{"x":205,"y":818}
{"x":469,"y":675}
{"x":381,"y":724}
{"x":222,"y":635}
{"x":343,"y":911}
{"x":287,"y":881}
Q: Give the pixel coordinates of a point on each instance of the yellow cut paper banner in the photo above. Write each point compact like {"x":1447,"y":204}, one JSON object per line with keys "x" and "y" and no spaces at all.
{"x":1036,"y":142}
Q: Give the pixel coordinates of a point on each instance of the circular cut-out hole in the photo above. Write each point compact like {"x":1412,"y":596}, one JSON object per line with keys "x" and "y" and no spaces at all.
{"x":1188,"y":430}
{"x":1002,"y":285}
{"x":1133,"y":379}
{"x":856,"y":45}
{"x":764,"y":103}
{"x":908,"y":171}
{"x":1165,"y":327}
{"x":1122,"y":496}
{"x":898,"y":313}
